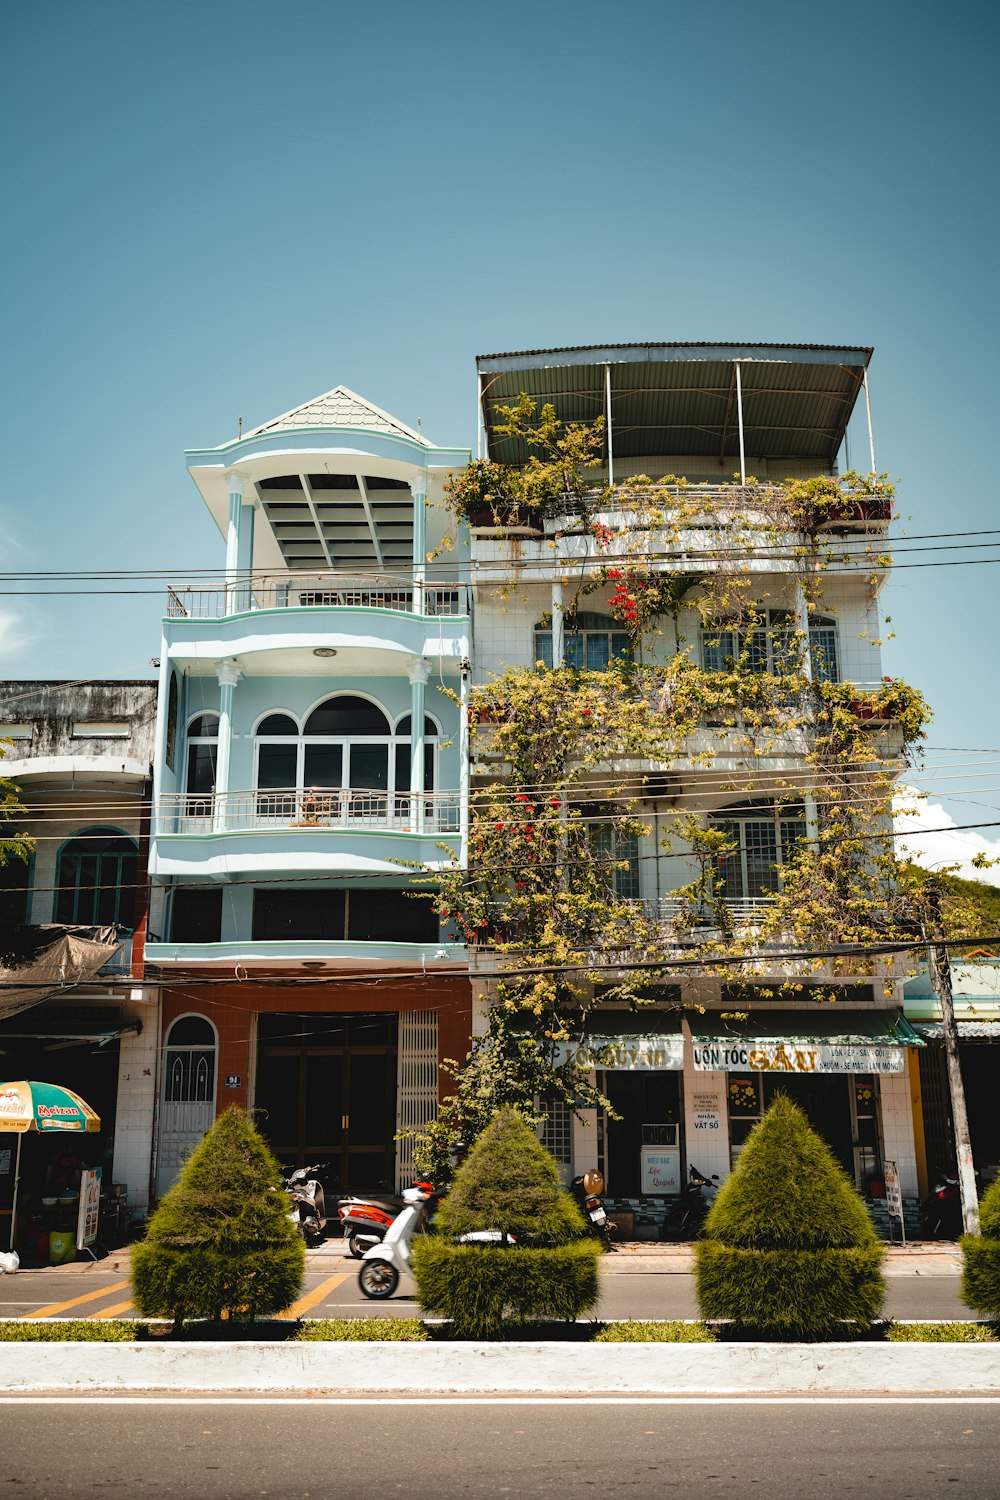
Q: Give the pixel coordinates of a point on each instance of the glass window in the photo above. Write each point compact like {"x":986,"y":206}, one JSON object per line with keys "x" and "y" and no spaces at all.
{"x":592,"y":643}
{"x":347,"y":716}
{"x":772,"y":647}
{"x":764,"y":841}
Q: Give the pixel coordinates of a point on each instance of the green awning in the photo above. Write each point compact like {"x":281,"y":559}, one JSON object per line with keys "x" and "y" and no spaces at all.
{"x":833,"y":1027}
{"x":803,"y":1042}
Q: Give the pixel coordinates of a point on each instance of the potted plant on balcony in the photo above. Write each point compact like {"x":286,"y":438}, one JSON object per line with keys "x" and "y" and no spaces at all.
{"x":552,"y":482}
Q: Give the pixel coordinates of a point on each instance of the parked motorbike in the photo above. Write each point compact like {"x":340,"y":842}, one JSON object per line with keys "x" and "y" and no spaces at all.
{"x":384,"y":1263}
{"x":941,"y":1210}
{"x":308,"y":1210}
{"x":586,"y":1191}
{"x":688,"y":1214}
{"x":365,"y":1221}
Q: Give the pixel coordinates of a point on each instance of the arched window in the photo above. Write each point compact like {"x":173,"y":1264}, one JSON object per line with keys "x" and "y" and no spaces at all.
{"x":591,"y":642}
{"x":771,"y":646}
{"x":189,"y":1066}
{"x":202,"y":758}
{"x":340,"y":763}
{"x":96,"y":879}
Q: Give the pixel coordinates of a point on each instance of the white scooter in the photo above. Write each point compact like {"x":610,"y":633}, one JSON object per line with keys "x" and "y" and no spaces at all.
{"x":383,"y":1264}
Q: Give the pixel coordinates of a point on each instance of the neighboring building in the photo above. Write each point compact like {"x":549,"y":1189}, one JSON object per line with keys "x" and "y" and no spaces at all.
{"x":976,"y":992}
{"x":686,"y":1090}
{"x":73,"y":1008}
{"x":311,"y":761}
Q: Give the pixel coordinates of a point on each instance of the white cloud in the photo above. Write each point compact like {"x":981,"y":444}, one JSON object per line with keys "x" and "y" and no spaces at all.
{"x":914,"y":812}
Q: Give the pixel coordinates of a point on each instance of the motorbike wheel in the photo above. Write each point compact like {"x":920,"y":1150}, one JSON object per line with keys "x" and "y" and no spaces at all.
{"x":377,"y":1279}
{"x":355,"y":1249}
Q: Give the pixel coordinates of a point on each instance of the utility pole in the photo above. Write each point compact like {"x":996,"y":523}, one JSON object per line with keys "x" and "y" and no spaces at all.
{"x":940,"y":972}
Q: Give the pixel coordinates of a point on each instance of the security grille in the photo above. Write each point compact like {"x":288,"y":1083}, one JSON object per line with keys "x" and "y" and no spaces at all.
{"x":417,"y":1091}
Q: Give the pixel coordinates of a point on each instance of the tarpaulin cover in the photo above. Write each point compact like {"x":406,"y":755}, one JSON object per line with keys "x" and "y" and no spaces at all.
{"x":42,"y":961}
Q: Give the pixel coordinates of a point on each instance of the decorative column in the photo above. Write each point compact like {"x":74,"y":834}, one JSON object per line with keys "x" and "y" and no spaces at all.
{"x":236,"y":485}
{"x":418,"y":489}
{"x":418,"y":674}
{"x":558,"y":625}
{"x":228,"y":674}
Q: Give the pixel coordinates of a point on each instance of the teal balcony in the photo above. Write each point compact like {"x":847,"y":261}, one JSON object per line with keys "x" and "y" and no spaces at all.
{"x":303,"y":830}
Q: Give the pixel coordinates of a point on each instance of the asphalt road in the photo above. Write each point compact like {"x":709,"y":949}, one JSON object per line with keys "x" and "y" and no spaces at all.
{"x":445,"y":1448}
{"x":331,"y":1290}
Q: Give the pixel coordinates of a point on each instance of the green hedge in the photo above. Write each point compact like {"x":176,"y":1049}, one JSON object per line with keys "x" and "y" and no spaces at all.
{"x":794,"y":1294}
{"x":940,"y":1333}
{"x":789,"y":1249}
{"x":981,"y":1258}
{"x":632,"y":1332}
{"x":363,"y":1331}
{"x":72,"y":1331}
{"x":221,"y":1241}
{"x":478,"y":1287}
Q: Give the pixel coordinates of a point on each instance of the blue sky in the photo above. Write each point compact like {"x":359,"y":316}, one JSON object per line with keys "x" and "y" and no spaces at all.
{"x":217,"y":210}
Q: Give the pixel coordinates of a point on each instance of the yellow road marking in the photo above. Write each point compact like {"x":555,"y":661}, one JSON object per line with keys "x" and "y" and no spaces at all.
{"x":52,"y":1308}
{"x":113,"y":1312}
{"x":316,"y":1295}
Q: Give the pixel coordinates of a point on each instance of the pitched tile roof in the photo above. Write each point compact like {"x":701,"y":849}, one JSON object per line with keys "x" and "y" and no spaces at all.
{"x":340,"y":407}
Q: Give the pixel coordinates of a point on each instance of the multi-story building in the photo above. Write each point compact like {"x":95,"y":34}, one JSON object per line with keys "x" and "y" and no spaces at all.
{"x":735,"y":421}
{"x":73,"y":1007}
{"x":310,"y":766}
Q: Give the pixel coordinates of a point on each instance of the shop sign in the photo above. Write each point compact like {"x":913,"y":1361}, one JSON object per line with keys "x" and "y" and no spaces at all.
{"x":90,"y":1208}
{"x":661,"y":1170}
{"x":777,"y":1055}
{"x":707,"y":1122}
{"x":893,"y":1193}
{"x":625,"y":1053}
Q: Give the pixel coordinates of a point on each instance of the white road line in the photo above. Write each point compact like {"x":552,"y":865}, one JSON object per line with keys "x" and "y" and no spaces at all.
{"x":391,"y":1400}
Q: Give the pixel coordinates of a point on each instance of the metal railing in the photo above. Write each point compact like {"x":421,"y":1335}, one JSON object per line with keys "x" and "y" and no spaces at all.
{"x":317,"y":591}
{"x":742,"y":911}
{"x":280,"y":808}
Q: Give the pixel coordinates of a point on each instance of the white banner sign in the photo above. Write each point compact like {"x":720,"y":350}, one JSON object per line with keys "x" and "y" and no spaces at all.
{"x":90,"y":1208}
{"x":775,"y":1055}
{"x":893,"y":1194}
{"x":625,"y":1053}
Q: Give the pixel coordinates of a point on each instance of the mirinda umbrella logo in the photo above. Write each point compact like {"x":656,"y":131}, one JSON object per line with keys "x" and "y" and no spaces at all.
{"x":10,"y":1102}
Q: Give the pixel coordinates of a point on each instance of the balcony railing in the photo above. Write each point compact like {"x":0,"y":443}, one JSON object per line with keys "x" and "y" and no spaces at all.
{"x":317,"y":590}
{"x":743,"y":912}
{"x":277,"y":809}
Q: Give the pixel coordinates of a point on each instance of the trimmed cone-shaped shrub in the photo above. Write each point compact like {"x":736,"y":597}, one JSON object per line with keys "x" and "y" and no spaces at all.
{"x":221,"y":1242}
{"x":981,"y":1258}
{"x":510,"y":1183}
{"x":789,"y":1249}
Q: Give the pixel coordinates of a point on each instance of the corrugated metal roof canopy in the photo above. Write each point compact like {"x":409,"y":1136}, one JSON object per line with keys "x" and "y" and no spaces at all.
{"x":681,"y":398}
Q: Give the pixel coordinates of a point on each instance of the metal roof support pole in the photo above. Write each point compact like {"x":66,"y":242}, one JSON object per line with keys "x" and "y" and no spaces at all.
{"x":806,"y":664}
{"x":479,"y":415}
{"x":739,"y":418}
{"x":868,"y":407}
{"x":607,"y":418}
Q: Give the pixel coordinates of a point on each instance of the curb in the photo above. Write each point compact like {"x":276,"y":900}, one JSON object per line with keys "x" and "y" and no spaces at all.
{"x":740,"y":1369}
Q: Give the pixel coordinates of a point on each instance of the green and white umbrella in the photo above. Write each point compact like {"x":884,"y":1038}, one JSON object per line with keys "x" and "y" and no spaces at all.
{"x":26,"y":1105}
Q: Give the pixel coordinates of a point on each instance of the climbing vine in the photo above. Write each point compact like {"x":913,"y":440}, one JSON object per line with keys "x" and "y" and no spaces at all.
{"x":566,"y":758}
